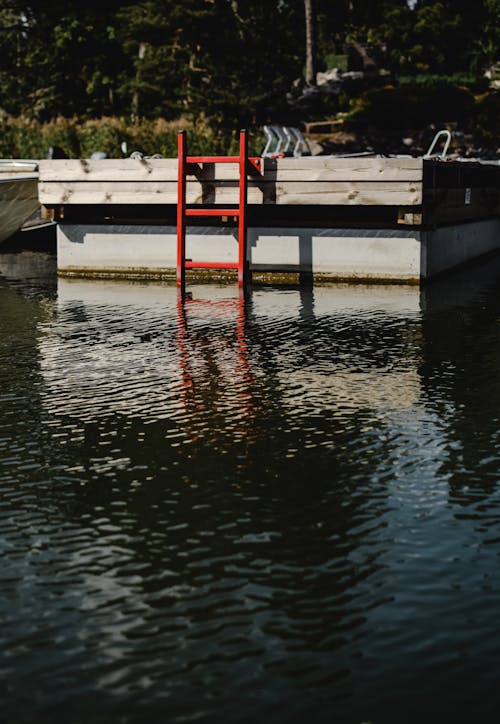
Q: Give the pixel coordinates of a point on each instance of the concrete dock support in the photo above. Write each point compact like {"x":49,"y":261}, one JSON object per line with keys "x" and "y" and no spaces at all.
{"x":150,"y":251}
{"x":385,"y":255}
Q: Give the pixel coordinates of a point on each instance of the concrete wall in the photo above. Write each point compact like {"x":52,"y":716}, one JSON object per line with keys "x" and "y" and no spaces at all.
{"x":398,"y":255}
{"x":151,"y":250}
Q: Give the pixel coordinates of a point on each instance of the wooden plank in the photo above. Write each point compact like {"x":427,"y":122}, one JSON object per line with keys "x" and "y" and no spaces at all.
{"x":388,"y":198}
{"x":127,"y":169}
{"x":381,"y":175}
{"x":355,"y":168}
{"x":305,"y":162}
{"x":51,"y":194}
{"x":369,"y":193}
{"x":372,"y":193}
{"x":317,"y":168}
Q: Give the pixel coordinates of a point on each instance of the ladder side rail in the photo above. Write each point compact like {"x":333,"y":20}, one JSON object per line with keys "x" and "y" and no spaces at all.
{"x":181,"y":209}
{"x":242,"y":219}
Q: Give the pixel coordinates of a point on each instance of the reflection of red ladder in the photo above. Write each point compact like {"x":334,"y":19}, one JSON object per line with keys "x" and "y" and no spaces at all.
{"x":216,"y":376}
{"x":189,"y":165}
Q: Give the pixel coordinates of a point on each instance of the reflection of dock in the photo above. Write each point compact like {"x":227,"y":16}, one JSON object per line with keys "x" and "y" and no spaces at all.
{"x":137,"y":350}
{"x":364,"y":219}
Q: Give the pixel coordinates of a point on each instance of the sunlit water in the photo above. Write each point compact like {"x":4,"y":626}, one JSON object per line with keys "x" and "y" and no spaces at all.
{"x":283,"y":508}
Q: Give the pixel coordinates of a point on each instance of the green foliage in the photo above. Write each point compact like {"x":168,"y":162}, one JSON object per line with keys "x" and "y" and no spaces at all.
{"x":79,"y":138}
{"x":160,"y":136}
{"x":337,"y":60}
{"x":486,"y":45}
{"x":431,"y":80}
{"x":27,"y":138}
{"x":435,"y":37}
{"x":222,"y":64}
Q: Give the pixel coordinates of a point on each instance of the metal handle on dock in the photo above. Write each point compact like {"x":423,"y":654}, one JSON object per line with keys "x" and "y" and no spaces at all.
{"x":441,"y":155}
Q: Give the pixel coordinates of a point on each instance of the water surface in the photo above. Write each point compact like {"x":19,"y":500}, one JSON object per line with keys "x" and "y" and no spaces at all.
{"x":231,"y":509}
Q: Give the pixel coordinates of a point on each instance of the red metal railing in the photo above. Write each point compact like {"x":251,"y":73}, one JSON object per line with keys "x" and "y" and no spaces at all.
{"x":189,"y":165}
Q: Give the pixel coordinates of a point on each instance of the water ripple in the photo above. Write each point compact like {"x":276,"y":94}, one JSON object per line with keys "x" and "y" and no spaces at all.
{"x":236,"y":507}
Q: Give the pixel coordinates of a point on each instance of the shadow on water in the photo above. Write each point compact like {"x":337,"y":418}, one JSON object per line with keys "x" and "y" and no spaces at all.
{"x":239,"y":506}
{"x":460,"y":375}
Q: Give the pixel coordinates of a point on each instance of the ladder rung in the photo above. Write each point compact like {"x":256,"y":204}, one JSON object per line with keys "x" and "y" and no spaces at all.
{"x":210,"y":264}
{"x":212,"y":212}
{"x":222,"y":159}
{"x":212,"y":159}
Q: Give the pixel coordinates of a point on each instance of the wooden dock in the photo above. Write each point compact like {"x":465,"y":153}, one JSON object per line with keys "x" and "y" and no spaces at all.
{"x":366,"y":218}
{"x":308,"y":181}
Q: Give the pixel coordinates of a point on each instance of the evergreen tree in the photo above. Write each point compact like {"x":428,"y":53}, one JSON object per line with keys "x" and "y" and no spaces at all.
{"x":230,"y":61}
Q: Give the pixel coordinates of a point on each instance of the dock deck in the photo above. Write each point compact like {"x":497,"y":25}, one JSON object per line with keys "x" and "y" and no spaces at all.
{"x":370,"y":218}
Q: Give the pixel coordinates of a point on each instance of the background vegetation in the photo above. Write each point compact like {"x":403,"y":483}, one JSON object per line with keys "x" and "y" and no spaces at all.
{"x":87,"y":76}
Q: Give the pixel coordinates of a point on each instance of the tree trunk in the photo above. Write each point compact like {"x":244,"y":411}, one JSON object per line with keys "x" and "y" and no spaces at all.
{"x":136,"y":95}
{"x":309,"y":7}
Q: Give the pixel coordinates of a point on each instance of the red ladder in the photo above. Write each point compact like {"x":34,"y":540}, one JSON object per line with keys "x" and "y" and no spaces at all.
{"x":189,"y":165}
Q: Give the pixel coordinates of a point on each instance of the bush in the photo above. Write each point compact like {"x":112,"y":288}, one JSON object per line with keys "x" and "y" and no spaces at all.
{"x":23,"y":138}
{"x":474,"y":83}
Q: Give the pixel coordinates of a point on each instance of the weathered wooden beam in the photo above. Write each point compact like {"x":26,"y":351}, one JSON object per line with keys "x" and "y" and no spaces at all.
{"x":137,"y":192}
{"x":330,"y":193}
{"x":127,"y":169}
{"x":311,"y":180}
{"x":449,"y":191}
{"x":317,"y":168}
{"x":349,"y":192}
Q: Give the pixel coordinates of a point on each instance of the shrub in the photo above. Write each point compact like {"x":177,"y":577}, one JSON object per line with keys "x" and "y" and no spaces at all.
{"x":24,"y":138}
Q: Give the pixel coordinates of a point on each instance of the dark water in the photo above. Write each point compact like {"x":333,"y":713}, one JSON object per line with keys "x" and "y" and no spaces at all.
{"x":284,"y":508}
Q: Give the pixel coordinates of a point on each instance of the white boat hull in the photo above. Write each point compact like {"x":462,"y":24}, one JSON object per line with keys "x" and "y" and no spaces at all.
{"x":18,"y":196}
